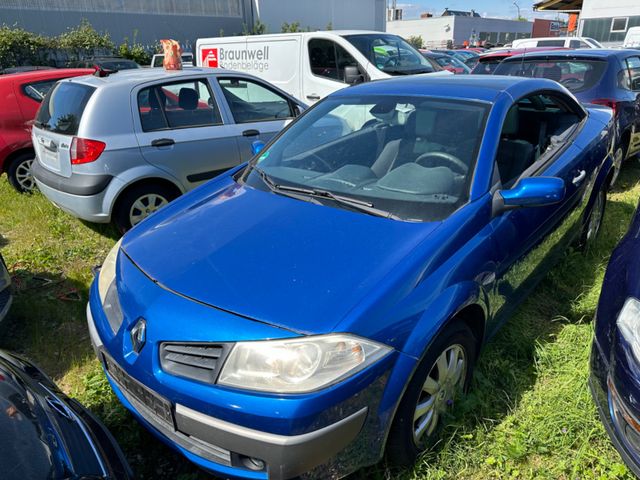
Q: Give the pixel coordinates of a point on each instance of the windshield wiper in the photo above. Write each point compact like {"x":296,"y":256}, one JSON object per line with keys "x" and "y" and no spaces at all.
{"x":293,"y":192}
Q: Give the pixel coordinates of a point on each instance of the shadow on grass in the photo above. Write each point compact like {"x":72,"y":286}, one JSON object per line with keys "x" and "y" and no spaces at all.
{"x":105,"y":229}
{"x":506,"y":368}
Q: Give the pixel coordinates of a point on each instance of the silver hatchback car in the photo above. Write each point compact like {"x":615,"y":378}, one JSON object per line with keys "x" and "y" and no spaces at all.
{"x":118,"y":147}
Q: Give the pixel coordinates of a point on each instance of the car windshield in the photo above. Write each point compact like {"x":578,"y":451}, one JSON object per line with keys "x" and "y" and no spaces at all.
{"x":575,"y":74}
{"x":487,"y":67}
{"x":390,"y":54}
{"x":411,"y":157}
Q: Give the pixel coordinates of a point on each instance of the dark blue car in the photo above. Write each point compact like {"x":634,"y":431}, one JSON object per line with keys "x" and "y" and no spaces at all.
{"x":600,"y":76}
{"x":325,"y":303}
{"x":615,"y":354}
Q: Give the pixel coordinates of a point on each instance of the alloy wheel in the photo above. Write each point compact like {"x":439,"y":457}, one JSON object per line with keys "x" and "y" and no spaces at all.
{"x":439,"y":390}
{"x":595,"y":220}
{"x":24,"y":176}
{"x":145,"y":206}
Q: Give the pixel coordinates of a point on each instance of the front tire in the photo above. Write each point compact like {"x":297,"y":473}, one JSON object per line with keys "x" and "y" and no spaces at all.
{"x":139,"y":202}
{"x":442,"y":376}
{"x":19,"y":173}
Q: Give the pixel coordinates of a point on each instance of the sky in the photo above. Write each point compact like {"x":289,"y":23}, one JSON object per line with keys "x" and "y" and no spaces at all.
{"x":486,"y":8}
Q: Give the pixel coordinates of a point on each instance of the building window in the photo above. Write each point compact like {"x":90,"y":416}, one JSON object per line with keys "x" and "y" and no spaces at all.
{"x":619,"y":24}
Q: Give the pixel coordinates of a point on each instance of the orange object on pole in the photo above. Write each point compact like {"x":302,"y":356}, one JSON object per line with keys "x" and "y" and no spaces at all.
{"x":172,"y":55}
{"x":573,"y":22}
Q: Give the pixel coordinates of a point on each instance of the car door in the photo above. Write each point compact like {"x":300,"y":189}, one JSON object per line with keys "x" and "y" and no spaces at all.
{"x":323,"y":68}
{"x":530,"y":239}
{"x":258,"y":110}
{"x":181,"y":130}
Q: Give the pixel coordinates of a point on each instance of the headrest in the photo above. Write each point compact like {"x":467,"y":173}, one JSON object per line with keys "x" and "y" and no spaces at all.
{"x":511,"y":122}
{"x":553,"y":73}
{"x":424,"y":122}
{"x":188,"y":99}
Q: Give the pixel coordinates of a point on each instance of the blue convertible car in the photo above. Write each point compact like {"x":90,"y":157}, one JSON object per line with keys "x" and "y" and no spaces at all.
{"x":325,"y":303}
{"x":615,"y":354}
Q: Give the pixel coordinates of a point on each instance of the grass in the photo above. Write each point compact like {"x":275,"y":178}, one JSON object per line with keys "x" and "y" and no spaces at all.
{"x":529,"y":414}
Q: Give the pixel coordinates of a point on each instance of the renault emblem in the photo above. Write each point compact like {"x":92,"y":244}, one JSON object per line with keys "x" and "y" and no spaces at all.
{"x":139,"y":335}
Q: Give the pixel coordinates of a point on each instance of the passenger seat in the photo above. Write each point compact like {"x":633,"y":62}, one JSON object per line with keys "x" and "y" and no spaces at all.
{"x":514,"y":154}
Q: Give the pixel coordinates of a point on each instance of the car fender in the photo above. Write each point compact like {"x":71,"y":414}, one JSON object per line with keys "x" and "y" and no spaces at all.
{"x":134,"y":175}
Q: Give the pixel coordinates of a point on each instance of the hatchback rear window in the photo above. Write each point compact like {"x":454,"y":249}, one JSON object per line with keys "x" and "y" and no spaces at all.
{"x":62,"y":108}
{"x":575,"y":74}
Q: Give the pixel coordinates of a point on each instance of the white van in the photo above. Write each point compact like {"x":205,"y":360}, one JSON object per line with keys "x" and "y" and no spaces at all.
{"x":566,"y":42}
{"x":311,"y":65}
{"x":632,"y":38}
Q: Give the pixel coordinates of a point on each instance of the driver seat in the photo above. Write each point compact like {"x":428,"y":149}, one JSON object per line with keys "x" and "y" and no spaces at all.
{"x":406,"y":149}
{"x":514,"y":154}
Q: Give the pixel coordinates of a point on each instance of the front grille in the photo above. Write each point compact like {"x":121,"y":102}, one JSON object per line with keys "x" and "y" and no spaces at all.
{"x":197,"y":361}
{"x":153,"y":403}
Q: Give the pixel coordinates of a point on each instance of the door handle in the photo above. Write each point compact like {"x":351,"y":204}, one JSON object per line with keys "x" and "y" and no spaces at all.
{"x":163,"y":142}
{"x":580,"y":178}
{"x":313,"y":96}
{"x":251,"y":133}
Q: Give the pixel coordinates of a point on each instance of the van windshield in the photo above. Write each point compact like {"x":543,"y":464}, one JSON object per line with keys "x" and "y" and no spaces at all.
{"x":390,"y":54}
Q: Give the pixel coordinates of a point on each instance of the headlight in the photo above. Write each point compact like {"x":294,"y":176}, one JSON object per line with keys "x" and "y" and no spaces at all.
{"x":107,"y":288}
{"x":298,"y":365}
{"x":629,"y":324}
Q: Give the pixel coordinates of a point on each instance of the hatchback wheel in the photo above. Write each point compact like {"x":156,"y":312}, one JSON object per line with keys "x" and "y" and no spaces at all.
{"x":139,"y":202}
{"x":618,"y":158}
{"x":19,"y":173}
{"x":442,"y":376}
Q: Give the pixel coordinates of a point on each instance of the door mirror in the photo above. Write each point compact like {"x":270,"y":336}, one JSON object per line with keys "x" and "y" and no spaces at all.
{"x":257,"y":146}
{"x":530,"y":192}
{"x":352,"y":75}
{"x":635,"y":84}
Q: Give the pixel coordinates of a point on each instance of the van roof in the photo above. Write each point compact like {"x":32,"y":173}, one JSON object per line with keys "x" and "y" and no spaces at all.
{"x":340,"y":33}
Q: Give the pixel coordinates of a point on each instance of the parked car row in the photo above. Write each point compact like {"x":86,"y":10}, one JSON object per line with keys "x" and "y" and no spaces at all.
{"x":284,"y":362}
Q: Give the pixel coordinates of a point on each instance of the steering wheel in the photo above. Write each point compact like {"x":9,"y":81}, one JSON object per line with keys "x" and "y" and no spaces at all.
{"x":569,"y":82}
{"x":391,"y":62}
{"x":321,"y":161}
{"x":431,"y":159}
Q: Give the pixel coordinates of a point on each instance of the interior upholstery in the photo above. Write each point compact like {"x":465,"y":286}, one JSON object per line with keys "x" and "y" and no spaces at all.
{"x":514,"y":154}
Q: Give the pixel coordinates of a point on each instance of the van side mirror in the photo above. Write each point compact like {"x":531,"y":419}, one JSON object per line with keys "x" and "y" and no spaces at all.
{"x":352,"y":75}
{"x":257,"y":146}
{"x":529,"y":192}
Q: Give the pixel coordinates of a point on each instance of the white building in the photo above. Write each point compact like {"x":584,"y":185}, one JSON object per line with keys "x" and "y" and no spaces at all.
{"x":453,"y":30}
{"x":606,"y":21}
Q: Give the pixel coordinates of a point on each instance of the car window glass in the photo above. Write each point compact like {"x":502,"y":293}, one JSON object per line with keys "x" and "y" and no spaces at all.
{"x":63,"y":107}
{"x":535,"y":127}
{"x":328,"y":59}
{"x":550,"y":43}
{"x":411,"y":155}
{"x":177,"y":105}
{"x":575,"y":44}
{"x":576,"y":75}
{"x":633,"y":63}
{"x":38,"y":90}
{"x":250,"y":101}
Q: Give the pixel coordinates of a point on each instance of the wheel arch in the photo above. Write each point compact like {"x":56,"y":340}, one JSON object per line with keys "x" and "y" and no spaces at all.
{"x":15,"y":154}
{"x":143,"y":181}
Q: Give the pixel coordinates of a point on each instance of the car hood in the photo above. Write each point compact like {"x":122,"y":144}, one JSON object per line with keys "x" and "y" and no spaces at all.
{"x":278,"y":260}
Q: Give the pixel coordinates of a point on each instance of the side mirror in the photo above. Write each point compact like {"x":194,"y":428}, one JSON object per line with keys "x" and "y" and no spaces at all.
{"x":635,"y":84}
{"x":352,"y":75}
{"x":530,"y":192}
{"x":257,"y":146}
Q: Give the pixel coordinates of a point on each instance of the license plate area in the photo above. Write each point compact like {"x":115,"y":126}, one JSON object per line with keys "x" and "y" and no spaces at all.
{"x":145,"y":399}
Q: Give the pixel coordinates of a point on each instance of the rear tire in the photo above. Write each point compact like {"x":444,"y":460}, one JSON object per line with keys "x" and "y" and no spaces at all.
{"x":594,"y":222}
{"x":140,"y":201}
{"x":431,"y":393}
{"x":19,"y":173}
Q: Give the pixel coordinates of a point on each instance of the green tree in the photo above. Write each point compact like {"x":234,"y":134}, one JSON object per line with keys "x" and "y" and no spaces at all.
{"x":291,"y":27}
{"x":416,"y":41}
{"x":258,"y":28}
{"x":84,"y":37}
{"x":20,"y":47}
{"x":136,"y":52}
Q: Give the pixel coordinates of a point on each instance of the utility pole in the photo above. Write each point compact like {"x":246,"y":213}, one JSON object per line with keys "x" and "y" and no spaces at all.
{"x":518,"y":7}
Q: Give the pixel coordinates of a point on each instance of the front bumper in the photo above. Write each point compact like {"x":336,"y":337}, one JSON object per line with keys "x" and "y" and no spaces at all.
{"x":616,"y":416}
{"x":230,"y":449}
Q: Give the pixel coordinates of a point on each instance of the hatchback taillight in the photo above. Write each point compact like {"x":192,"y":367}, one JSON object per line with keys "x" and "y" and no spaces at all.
{"x":84,"y":150}
{"x":607,"y":102}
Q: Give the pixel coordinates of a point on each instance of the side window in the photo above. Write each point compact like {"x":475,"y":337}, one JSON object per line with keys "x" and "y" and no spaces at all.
{"x":534,"y":127}
{"x":38,"y":90}
{"x":177,"y":105}
{"x":328,"y":59}
{"x":250,"y":101}
{"x":633,"y":63}
{"x":575,"y":44}
{"x":550,"y":43}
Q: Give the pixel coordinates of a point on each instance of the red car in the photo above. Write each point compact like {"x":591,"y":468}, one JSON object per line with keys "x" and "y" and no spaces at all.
{"x":20,"y":97}
{"x":488,"y":62}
